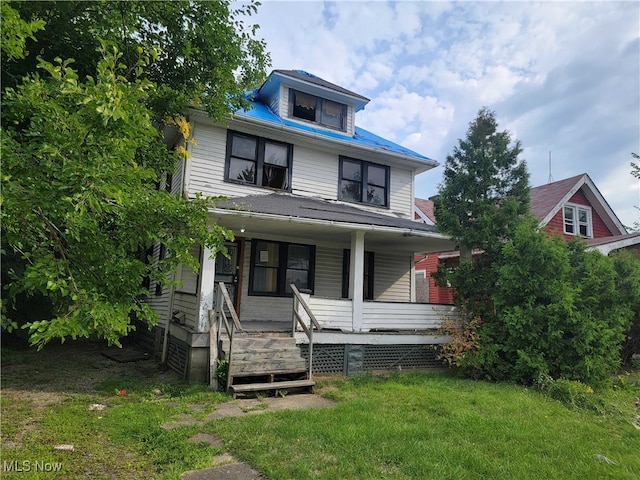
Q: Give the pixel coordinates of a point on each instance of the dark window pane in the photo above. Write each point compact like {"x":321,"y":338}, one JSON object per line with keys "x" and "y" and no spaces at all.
{"x":332,"y":114}
{"x":375,"y":195}
{"x":584,"y":230}
{"x":274,"y":177}
{"x":377,"y":176}
{"x":297,"y":277}
{"x":242,"y":170}
{"x":298,"y":257}
{"x":351,"y":170}
{"x":582,"y":216}
{"x":265,"y":280}
{"x":275,"y":154}
{"x":568,"y":214}
{"x":351,"y":191}
{"x":267,"y":254}
{"x":244,"y":147}
{"x":304,"y":106}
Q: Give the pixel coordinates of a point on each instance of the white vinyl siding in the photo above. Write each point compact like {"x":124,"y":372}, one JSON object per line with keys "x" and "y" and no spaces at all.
{"x":189,"y":305}
{"x":401,"y":192}
{"x":392,"y":278}
{"x":328,"y":272}
{"x":314,"y":174}
{"x":187,"y":277}
{"x":159,"y":303}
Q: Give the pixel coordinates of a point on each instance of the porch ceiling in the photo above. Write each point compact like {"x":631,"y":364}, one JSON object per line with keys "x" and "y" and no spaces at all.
{"x":318,"y":221}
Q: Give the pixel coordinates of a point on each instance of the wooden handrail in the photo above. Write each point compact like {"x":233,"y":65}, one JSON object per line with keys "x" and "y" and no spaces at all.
{"x":230,"y":306}
{"x":220,"y":318}
{"x":306,"y":307}
{"x":297,"y":319}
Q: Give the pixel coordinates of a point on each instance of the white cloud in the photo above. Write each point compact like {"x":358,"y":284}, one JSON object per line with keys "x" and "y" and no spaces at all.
{"x":561,"y":76}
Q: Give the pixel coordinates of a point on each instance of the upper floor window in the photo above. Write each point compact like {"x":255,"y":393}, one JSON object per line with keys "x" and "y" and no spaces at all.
{"x":364,"y":182}
{"x":318,"y":110}
{"x":577,"y":220}
{"x":258,"y":161}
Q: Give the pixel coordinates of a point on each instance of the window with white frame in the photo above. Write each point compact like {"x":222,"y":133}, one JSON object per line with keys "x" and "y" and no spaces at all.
{"x":577,"y":220}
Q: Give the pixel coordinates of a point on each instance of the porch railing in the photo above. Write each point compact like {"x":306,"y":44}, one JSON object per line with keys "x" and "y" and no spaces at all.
{"x":298,"y":319}
{"x":224,"y":309}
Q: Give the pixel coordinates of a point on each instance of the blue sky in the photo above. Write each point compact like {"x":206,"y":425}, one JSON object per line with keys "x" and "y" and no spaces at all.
{"x":562,"y":77}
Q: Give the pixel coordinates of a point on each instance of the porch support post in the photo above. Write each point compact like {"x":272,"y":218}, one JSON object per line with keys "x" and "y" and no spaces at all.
{"x":356,"y":279}
{"x":207,"y":282}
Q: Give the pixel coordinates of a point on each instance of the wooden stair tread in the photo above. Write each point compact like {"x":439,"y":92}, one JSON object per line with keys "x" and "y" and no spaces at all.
{"x":268,"y":371}
{"x":254,"y":387}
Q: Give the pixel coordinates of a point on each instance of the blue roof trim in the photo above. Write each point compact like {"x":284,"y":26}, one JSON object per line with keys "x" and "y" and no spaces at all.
{"x":361,"y":137}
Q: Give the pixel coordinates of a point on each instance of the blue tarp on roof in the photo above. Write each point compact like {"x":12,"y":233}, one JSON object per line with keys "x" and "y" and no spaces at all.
{"x":361,"y":137}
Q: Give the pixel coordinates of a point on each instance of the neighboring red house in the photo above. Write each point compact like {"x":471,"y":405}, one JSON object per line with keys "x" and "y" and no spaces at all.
{"x":575,"y":207}
{"x":570,"y":207}
{"x":426,"y":287}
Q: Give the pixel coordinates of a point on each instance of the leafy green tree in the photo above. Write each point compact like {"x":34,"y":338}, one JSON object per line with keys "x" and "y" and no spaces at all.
{"x":207,"y":55}
{"x":15,"y":32}
{"x":83,"y":151}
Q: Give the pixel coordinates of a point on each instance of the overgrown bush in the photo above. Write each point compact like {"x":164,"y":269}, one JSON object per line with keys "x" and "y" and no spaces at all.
{"x":627,"y":265}
{"x":554,"y":309}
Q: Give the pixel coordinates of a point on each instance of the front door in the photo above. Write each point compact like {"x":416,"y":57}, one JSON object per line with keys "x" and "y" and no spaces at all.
{"x":228,"y":271}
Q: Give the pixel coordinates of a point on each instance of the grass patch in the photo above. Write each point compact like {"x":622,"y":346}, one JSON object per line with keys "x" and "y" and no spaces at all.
{"x":400,"y":426}
{"x":111,"y":413}
{"x":434,"y":426}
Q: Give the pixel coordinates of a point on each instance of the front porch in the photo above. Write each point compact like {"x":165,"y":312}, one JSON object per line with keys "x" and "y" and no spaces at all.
{"x":357,"y":268}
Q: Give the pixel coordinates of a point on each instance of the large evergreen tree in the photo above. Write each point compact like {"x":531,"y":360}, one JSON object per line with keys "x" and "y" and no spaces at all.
{"x":538,"y":306}
{"x":84,"y":104}
{"x":484,"y":194}
{"x":485,"y":190}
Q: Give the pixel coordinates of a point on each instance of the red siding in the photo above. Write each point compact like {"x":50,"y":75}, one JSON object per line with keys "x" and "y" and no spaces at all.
{"x":556,"y":224}
{"x":442,"y":295}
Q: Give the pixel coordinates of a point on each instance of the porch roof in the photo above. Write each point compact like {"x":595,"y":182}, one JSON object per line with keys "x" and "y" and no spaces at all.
{"x":304,"y":216}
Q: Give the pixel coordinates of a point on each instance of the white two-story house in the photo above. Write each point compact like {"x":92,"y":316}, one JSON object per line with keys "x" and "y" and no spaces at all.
{"x":314,"y":201}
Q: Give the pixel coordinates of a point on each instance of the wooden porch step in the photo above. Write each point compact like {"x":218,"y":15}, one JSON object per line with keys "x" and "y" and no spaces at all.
{"x":276,"y":366}
{"x":258,"y":387}
{"x":264,"y":354}
{"x":250,"y":344}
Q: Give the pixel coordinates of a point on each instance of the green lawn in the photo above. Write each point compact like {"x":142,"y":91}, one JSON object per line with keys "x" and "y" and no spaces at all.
{"x":409,"y":425}
{"x":434,"y":426}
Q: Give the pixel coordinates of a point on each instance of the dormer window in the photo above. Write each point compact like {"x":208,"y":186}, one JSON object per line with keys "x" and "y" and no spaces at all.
{"x":311,"y":108}
{"x":577,"y":220}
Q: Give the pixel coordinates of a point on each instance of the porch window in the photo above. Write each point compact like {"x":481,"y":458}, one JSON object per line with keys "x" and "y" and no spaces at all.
{"x":577,"y":220}
{"x":311,"y":108}
{"x":258,"y":161}
{"x":364,"y":182}
{"x":367,"y":293}
{"x":276,"y":265}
